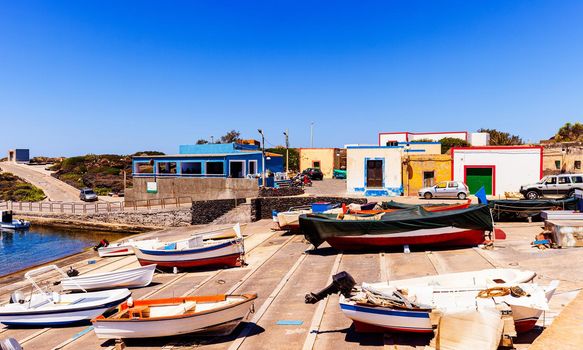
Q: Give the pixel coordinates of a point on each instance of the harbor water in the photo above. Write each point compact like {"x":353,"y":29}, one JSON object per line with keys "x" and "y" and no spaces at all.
{"x":22,"y":249}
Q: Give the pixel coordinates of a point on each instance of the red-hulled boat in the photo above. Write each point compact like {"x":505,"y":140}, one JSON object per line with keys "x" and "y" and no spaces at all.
{"x":415,"y":226}
{"x":434,"y":208}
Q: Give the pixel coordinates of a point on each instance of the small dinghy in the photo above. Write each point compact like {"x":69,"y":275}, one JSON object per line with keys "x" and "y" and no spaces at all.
{"x":45,"y":309}
{"x":410,"y":305}
{"x":206,"y":315}
{"x":131,"y":278}
{"x":9,"y":223}
{"x":196,"y":251}
{"x":104,"y":248}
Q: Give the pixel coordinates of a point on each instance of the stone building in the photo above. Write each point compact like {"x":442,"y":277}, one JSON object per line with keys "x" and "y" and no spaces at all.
{"x":562,"y":157}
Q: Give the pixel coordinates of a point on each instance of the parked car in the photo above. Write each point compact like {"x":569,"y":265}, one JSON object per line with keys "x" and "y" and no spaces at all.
{"x":445,"y":189}
{"x":563,"y":185}
{"x":87,"y":195}
{"x":339,"y":174}
{"x":314,"y":173}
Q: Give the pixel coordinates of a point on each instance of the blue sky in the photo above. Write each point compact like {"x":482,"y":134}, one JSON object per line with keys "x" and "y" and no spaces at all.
{"x":82,"y":77}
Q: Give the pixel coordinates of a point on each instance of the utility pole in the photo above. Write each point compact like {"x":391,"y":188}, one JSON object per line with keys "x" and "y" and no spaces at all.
{"x":286,"y":133}
{"x":312,"y":134}
{"x":262,"y":157}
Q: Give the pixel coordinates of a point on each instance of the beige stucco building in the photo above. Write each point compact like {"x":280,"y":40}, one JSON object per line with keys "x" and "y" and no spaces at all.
{"x":327,"y":159}
{"x":424,"y":170}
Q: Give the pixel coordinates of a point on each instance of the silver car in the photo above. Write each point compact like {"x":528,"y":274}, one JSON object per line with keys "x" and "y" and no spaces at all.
{"x":563,"y":185}
{"x":445,"y":189}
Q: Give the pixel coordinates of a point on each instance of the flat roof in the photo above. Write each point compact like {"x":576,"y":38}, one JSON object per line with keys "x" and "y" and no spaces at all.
{"x":196,"y":155}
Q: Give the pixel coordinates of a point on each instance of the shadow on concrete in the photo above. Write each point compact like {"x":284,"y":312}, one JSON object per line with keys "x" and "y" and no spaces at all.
{"x":326,"y":251}
{"x":528,"y":337}
{"x":191,"y":340}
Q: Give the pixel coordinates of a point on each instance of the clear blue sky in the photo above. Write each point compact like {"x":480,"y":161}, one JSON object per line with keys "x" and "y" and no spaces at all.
{"x":82,"y":77}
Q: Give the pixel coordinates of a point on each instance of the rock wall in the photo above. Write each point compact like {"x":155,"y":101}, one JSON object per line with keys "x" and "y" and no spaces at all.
{"x":151,"y":218}
{"x":261,"y":208}
{"x":204,"y":212}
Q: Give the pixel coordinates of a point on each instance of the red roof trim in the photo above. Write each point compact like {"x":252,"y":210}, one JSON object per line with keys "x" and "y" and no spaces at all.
{"x":407,"y":133}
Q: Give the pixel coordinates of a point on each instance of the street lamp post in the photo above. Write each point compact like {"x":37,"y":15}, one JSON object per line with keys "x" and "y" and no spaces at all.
{"x":312,"y":134}
{"x":286,"y":133}
{"x":262,"y":157}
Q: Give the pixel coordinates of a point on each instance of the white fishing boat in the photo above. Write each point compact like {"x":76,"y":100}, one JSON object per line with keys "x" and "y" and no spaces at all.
{"x":44,"y":309}
{"x":124,"y":247}
{"x":196,"y":251}
{"x":207,"y":315}
{"x":407,"y":305}
{"x":130,"y":278}
{"x":8,"y":222}
{"x":105,"y":249}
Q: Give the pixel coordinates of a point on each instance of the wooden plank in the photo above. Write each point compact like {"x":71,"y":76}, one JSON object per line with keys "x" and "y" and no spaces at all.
{"x":566,"y":331}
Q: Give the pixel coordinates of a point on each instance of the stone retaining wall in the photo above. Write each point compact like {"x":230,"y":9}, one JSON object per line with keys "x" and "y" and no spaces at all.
{"x":151,"y":218}
{"x":204,"y":212}
{"x":261,"y":208}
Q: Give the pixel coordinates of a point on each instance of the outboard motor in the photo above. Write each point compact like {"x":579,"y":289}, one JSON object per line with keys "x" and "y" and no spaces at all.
{"x":17,"y":297}
{"x":342,"y":283}
{"x":103,"y":243}
{"x":71,"y":272}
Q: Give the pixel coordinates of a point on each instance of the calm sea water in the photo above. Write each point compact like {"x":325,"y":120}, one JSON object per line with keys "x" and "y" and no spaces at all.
{"x":22,"y":249}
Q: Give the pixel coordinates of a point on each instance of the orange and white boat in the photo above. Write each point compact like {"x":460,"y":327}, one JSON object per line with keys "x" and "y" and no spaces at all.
{"x":429,"y":207}
{"x":204,"y":315}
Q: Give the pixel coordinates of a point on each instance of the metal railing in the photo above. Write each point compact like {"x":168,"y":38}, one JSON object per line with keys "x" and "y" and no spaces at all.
{"x":96,"y":207}
{"x":157,"y":203}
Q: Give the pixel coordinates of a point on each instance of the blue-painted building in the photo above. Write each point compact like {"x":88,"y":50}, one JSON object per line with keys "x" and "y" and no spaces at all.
{"x":233,"y":160}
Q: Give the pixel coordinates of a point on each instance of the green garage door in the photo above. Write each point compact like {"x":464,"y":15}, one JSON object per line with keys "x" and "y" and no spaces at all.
{"x":478,"y":177}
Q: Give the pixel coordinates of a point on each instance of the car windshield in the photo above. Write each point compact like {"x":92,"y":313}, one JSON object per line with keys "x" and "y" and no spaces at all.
{"x":542,"y":181}
{"x":88,"y":192}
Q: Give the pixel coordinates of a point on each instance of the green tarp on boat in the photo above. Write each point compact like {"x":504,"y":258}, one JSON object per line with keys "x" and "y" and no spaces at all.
{"x":319,"y":227}
{"x":522,"y":208}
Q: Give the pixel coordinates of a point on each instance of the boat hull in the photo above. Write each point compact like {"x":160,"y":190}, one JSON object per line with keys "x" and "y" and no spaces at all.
{"x":220,"y":322}
{"x":133,"y":278}
{"x":62,"y":316}
{"x":116,"y":251}
{"x":15,"y":225}
{"x":224,"y":254}
{"x":445,"y":236}
{"x":378,"y":319}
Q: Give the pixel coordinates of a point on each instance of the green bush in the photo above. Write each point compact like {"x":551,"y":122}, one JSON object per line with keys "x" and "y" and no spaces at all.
{"x":102,"y":191}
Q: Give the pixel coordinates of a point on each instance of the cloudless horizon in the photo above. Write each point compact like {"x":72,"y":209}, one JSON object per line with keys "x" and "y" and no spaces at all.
{"x":80,"y":77}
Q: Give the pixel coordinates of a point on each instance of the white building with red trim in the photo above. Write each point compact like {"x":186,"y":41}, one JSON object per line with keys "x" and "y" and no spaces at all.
{"x":498,"y":168}
{"x":393,"y":138}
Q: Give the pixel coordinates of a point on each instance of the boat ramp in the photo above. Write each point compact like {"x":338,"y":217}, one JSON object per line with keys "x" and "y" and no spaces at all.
{"x":281,"y":269}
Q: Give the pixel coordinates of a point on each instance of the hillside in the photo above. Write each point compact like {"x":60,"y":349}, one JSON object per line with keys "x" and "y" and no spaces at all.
{"x":13,"y":188}
{"x":102,"y":172}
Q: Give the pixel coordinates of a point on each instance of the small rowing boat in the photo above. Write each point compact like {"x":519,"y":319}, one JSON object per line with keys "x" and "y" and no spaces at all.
{"x":46,"y":309}
{"x":409,"y":305}
{"x":105,"y":249}
{"x":206,"y":315}
{"x":130,"y":278}
{"x":196,"y":251}
{"x":392,"y":206}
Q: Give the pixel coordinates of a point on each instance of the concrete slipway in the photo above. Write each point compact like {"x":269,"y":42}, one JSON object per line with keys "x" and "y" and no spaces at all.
{"x":281,"y":273}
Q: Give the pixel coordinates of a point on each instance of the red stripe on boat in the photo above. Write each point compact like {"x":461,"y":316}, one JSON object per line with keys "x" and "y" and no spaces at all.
{"x":460,"y":238}
{"x":227,"y":260}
